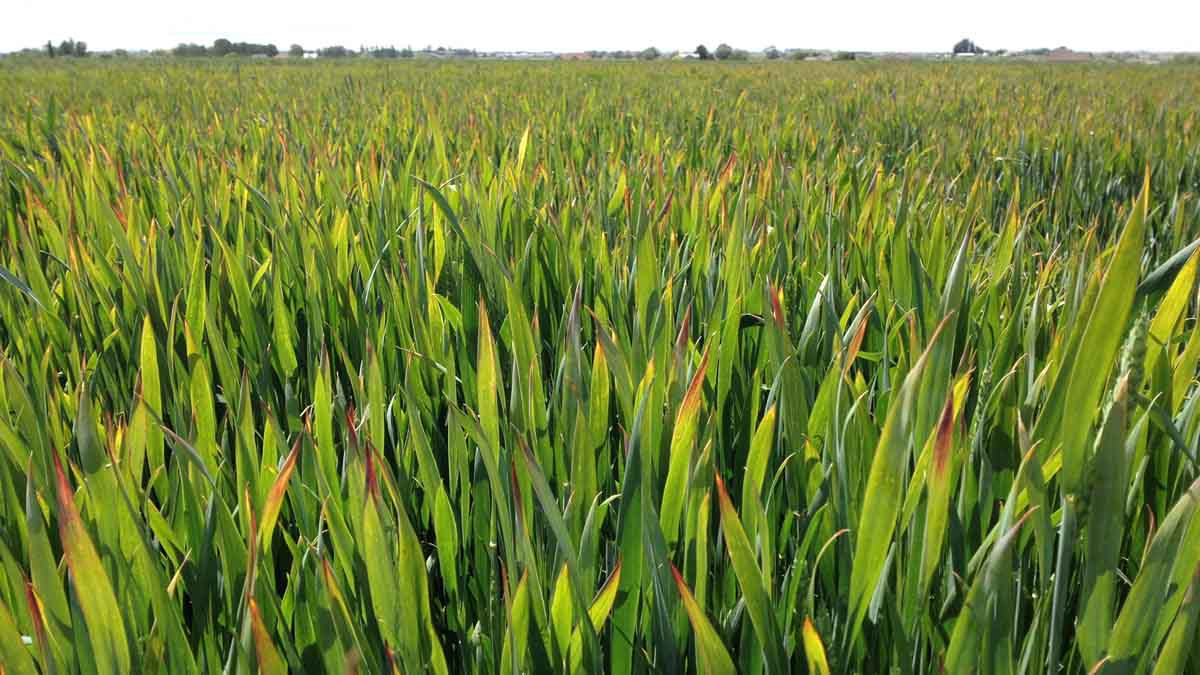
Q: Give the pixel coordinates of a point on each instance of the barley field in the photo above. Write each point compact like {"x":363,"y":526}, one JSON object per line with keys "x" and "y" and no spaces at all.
{"x":461,"y":367}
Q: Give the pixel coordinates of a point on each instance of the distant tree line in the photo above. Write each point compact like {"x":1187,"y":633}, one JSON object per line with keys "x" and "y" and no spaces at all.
{"x":223,"y":47}
{"x":648,"y":54}
{"x":965,"y":46}
{"x":390,"y":53}
{"x":189,"y":49}
{"x":723,"y":52}
{"x":70,"y":47}
{"x":340,"y":52}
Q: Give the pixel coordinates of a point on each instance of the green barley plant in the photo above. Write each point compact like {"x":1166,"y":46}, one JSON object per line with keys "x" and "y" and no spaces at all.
{"x":534,"y":367}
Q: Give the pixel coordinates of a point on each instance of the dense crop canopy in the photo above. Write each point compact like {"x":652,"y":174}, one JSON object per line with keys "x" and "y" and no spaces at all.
{"x":502,"y":367}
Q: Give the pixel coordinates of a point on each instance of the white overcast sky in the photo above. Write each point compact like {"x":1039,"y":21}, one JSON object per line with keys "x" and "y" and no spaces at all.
{"x":565,"y":25}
